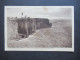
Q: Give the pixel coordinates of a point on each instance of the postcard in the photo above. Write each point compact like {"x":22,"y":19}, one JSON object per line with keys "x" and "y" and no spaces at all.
{"x":39,"y":28}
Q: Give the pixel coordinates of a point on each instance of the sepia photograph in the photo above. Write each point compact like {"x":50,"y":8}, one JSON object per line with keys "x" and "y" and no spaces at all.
{"x":39,"y":28}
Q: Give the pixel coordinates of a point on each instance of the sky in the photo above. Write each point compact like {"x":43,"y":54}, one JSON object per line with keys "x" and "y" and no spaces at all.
{"x":50,"y":12}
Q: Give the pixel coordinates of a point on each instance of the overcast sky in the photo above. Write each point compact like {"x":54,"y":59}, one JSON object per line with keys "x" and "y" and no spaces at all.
{"x":51,"y":12}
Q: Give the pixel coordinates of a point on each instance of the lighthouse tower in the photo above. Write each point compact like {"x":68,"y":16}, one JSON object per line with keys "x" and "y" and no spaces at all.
{"x":22,"y":15}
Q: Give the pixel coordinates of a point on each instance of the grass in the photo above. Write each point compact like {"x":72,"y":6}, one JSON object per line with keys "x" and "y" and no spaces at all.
{"x":59,"y":35}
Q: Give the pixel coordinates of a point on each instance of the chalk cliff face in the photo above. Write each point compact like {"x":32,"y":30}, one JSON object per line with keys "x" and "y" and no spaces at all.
{"x":23,"y":27}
